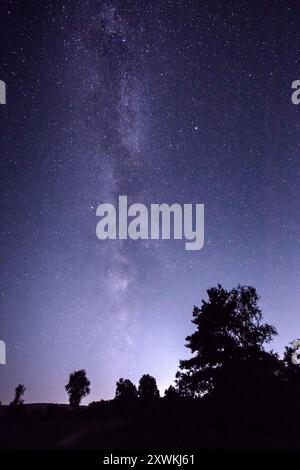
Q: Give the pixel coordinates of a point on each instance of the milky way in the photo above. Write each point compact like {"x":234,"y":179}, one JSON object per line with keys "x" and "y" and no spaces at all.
{"x":161,"y":101}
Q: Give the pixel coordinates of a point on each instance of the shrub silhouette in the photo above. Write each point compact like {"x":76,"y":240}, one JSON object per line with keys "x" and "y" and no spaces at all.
{"x":171,"y":393}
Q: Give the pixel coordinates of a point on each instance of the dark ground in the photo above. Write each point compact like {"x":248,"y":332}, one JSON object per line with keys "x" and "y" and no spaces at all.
{"x":161,"y":424}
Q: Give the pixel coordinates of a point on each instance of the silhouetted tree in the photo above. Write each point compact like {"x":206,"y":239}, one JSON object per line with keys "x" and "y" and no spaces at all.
{"x":19,"y":392}
{"x":77,"y":387}
{"x":125,"y":390}
{"x":147,"y":388}
{"x":229,"y":339}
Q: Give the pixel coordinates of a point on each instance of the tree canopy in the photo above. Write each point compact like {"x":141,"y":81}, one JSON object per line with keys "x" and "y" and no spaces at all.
{"x":77,"y":387}
{"x":230,"y":335}
{"x":147,"y":389}
{"x":126,"y":390}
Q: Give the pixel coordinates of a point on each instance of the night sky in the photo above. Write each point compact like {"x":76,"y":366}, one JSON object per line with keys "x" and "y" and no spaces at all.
{"x":163,"y":101}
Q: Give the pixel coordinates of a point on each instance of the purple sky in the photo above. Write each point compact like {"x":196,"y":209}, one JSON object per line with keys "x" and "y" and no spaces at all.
{"x":162,"y":101}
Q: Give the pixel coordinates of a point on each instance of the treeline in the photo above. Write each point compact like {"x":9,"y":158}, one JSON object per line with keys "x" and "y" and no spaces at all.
{"x":229,"y":369}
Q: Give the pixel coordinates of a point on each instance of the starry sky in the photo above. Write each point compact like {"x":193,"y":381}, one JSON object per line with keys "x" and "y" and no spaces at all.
{"x":163,"y":101}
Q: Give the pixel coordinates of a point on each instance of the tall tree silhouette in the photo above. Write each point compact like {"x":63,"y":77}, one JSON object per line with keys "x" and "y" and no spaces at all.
{"x":229,"y":339}
{"x":19,"y":392}
{"x":147,"y":388}
{"x":77,"y":387}
{"x":126,"y":390}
